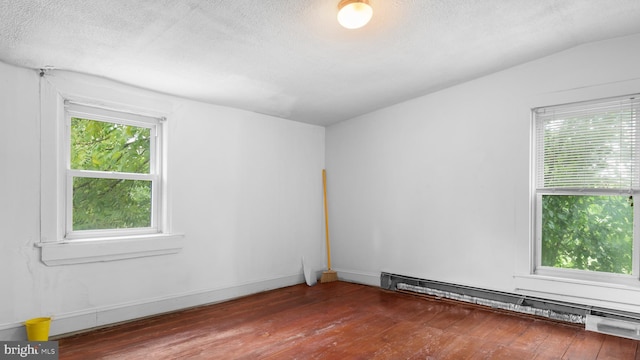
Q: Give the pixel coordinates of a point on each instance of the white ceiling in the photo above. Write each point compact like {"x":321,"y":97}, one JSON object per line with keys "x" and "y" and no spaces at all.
{"x":290,"y":58}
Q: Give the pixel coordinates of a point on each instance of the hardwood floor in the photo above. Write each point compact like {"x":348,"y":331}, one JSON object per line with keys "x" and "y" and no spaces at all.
{"x":343,"y":321}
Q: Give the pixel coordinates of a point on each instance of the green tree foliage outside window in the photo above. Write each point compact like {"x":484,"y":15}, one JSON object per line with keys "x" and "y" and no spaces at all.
{"x":587,"y":232}
{"x":106,"y":203}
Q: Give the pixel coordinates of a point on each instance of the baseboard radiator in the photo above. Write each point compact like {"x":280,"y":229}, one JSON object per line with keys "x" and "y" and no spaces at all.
{"x":606,"y":321}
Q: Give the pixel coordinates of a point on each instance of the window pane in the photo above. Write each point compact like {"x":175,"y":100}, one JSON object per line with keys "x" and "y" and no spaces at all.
{"x":111,"y":204}
{"x":104,"y":146}
{"x":587,"y":232}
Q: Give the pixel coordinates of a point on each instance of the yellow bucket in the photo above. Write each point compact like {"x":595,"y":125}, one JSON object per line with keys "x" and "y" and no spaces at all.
{"x":38,"y":328}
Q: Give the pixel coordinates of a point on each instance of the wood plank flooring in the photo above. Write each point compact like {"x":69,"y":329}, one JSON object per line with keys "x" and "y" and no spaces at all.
{"x":341,"y":320}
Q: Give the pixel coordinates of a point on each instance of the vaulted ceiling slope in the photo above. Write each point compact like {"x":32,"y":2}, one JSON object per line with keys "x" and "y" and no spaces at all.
{"x":290,"y":58}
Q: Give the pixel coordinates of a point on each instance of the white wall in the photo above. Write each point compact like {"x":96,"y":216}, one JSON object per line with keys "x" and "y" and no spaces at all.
{"x":438,"y":187}
{"x":246,"y":190}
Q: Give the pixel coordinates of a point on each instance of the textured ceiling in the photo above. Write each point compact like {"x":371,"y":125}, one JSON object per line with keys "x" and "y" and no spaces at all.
{"x":290,"y":58}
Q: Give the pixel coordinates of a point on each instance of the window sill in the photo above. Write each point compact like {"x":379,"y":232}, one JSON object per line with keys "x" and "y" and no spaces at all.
{"x":594,"y":293}
{"x":99,"y":250}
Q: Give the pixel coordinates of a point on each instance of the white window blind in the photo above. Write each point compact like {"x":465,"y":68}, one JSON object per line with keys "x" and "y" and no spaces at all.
{"x":589,"y":145}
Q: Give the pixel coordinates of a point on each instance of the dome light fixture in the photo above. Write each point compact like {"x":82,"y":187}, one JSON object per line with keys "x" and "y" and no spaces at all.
{"x":354,"y":14}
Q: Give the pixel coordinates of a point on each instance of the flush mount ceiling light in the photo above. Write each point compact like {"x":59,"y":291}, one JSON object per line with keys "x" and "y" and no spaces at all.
{"x":354,"y":14}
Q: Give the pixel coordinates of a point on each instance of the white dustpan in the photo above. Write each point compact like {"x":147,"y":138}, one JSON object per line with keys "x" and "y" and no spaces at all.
{"x":308,"y":274}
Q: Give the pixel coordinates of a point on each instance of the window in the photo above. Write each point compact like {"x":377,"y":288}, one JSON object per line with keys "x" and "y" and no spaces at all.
{"x":113,"y":172}
{"x":587,"y":175}
{"x":104,"y":192}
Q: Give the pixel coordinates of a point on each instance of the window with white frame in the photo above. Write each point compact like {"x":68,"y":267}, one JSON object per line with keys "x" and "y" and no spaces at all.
{"x":587,"y":174}
{"x":113,"y":172}
{"x":104,"y":194}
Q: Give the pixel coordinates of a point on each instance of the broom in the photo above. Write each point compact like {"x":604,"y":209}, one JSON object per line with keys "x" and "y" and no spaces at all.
{"x":328,"y":275}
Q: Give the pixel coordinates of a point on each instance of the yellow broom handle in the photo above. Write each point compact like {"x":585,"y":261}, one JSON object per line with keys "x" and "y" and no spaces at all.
{"x":326,"y":217}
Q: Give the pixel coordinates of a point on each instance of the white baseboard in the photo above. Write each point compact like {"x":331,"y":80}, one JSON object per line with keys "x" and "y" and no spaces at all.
{"x":358,"y":277}
{"x":97,"y":317}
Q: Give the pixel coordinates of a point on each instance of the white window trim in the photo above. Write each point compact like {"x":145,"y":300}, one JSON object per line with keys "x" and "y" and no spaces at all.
{"x":571,"y":275}
{"x":525,"y":280}
{"x":55,"y":248}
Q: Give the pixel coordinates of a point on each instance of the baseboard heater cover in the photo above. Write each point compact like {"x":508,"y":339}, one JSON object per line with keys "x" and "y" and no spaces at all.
{"x":601,"y":320}
{"x":616,"y":327}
